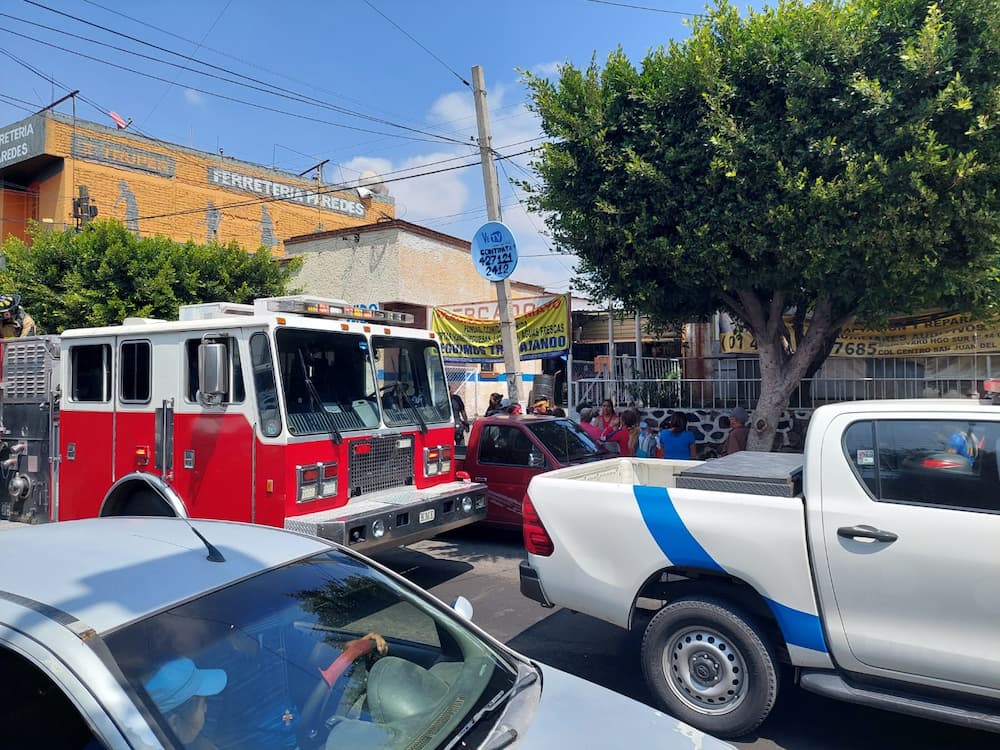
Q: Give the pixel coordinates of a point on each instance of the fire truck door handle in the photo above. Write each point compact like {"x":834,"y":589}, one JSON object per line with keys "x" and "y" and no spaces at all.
{"x":479,"y":479}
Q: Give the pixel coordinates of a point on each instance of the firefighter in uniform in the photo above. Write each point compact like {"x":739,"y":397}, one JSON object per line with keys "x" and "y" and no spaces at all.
{"x":14,"y":319}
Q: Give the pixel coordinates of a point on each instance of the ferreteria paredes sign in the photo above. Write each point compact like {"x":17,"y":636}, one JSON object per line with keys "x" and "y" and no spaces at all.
{"x":295,"y":193}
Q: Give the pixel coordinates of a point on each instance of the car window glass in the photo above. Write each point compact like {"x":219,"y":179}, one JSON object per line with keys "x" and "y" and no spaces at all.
{"x":504,"y":444}
{"x":90,"y":372}
{"x":290,"y":658}
{"x":34,"y":711}
{"x":859,"y":447}
{"x":135,"y":372}
{"x":942,"y":462}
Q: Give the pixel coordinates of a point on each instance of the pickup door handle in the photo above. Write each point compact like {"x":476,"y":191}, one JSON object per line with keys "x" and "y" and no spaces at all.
{"x":479,"y":479}
{"x":866,"y":532}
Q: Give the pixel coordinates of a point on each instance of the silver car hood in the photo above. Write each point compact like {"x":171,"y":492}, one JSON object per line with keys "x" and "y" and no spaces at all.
{"x":575,"y":713}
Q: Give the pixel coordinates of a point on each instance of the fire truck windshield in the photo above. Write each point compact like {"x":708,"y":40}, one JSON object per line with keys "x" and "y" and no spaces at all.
{"x":328,"y":381}
{"x":411,"y":381}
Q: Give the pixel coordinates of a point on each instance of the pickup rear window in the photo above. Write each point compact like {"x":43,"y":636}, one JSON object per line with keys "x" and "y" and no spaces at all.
{"x":566,"y":441}
{"x":942,"y":462}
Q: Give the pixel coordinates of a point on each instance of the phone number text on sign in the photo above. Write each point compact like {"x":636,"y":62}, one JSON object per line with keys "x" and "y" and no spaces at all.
{"x":494,"y":251}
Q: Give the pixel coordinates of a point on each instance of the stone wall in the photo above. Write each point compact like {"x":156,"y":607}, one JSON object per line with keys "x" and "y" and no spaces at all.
{"x":710,"y":435}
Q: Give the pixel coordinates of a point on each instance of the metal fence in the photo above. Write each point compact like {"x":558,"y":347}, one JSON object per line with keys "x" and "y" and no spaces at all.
{"x":736,"y":382}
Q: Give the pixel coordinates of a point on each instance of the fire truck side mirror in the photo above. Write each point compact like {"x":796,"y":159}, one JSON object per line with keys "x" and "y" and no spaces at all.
{"x":213,"y":372}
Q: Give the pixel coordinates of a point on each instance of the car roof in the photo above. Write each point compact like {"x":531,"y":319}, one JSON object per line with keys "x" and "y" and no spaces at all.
{"x":107,"y":572}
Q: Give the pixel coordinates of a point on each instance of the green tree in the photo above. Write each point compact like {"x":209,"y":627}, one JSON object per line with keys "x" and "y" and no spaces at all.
{"x":836,"y":161}
{"x":104,"y":274}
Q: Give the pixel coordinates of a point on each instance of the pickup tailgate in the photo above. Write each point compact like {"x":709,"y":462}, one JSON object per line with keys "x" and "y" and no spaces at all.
{"x":616,"y":524}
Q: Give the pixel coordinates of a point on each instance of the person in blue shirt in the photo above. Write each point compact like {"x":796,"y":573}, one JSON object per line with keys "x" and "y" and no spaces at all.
{"x":675,"y":438}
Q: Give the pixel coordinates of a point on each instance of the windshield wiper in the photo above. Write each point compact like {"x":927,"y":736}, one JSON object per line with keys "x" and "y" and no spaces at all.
{"x":401,"y":391}
{"x":314,"y":395}
{"x":504,"y":735}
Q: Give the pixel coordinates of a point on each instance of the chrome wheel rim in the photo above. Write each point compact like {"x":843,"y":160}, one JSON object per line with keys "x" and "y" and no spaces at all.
{"x":705,"y":670}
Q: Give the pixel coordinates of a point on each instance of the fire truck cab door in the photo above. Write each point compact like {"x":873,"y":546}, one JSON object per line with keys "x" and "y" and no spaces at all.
{"x":213,"y":439}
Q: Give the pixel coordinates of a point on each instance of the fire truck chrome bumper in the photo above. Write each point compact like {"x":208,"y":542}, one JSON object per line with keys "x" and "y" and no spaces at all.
{"x":395,"y":517}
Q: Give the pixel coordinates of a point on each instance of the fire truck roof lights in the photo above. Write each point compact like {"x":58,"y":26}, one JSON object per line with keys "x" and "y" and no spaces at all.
{"x":327,"y":308}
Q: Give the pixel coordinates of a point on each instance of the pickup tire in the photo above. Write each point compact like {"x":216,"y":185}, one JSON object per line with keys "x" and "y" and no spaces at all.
{"x":710,"y":665}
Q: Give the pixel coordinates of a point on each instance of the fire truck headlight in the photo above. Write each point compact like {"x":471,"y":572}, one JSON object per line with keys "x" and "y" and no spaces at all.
{"x":432,"y":462}
{"x":308,"y":480}
{"x":378,"y":528}
{"x":466,"y":503}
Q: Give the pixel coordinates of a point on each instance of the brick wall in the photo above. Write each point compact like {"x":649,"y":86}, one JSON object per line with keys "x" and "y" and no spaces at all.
{"x":138,"y":180}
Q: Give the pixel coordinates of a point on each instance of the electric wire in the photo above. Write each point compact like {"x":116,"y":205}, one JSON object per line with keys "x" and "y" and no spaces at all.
{"x":644,"y":7}
{"x":237,"y":100}
{"x":224,"y":54}
{"x":414,"y":40}
{"x":197,"y":47}
{"x":287,"y":92}
{"x":323,"y":191}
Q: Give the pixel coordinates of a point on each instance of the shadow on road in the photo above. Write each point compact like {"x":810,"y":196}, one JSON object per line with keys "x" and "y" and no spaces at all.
{"x":587,"y":648}
{"x":421,"y":568}
{"x":610,"y":657}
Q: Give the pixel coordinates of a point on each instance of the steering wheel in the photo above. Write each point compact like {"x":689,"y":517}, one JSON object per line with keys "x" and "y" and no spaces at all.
{"x":310,"y":718}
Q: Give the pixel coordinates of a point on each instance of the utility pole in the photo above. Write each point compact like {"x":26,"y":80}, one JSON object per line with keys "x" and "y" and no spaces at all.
{"x":508,"y":332}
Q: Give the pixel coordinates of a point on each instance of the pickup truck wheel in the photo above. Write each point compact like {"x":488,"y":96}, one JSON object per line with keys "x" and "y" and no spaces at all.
{"x":710,"y":666}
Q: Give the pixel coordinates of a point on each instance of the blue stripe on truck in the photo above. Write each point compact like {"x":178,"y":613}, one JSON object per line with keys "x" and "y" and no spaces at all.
{"x":681,"y":548}
{"x":669,"y":531}
{"x":799,"y":628}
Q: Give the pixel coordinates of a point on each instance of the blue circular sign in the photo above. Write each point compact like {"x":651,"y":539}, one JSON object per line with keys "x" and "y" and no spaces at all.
{"x":494,"y":251}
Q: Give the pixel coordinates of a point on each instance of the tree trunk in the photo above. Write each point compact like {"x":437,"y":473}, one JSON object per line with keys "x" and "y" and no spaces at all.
{"x":776,"y":385}
{"x":781,"y":372}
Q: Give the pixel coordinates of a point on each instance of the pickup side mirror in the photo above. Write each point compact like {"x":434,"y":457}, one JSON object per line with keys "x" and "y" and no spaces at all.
{"x":213,"y":372}
{"x":536,"y":460}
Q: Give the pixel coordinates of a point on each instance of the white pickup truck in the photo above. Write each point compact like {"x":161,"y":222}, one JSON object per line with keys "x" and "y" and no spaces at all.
{"x":870,"y":564}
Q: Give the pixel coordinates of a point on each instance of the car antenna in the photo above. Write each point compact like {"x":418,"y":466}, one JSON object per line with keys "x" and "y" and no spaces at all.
{"x":213,"y":552}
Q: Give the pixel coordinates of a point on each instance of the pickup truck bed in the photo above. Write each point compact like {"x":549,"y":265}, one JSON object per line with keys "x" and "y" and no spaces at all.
{"x":652,"y":519}
{"x":868,"y":563}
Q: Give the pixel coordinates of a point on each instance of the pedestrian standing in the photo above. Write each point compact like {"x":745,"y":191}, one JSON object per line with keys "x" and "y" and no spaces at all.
{"x":676,"y":440}
{"x":736,"y":440}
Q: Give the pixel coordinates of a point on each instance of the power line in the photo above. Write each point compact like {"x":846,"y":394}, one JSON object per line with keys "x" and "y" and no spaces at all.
{"x":286,"y":92}
{"x":323,"y":191}
{"x":644,"y":7}
{"x":197,"y":47}
{"x":414,"y":40}
{"x":237,"y":100}
{"x":221,"y":53}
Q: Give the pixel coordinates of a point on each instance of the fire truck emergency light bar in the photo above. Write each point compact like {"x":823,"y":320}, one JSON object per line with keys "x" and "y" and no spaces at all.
{"x":324,"y":309}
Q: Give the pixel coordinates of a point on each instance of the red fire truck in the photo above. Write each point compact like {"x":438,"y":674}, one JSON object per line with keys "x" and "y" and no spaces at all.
{"x":296,"y":412}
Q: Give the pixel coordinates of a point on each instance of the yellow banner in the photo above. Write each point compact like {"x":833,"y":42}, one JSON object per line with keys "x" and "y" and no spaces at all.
{"x":541,"y":333}
{"x":908,"y":336}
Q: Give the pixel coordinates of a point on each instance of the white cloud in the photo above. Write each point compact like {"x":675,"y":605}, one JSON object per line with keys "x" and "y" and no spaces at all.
{"x":546,"y":70}
{"x":453,"y":201}
{"x":193,"y":97}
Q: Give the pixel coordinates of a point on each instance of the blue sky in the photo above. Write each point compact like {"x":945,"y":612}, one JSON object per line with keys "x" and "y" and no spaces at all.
{"x":355,"y":56}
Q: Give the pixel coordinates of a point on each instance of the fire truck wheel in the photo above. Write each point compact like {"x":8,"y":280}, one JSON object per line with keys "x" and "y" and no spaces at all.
{"x":144,"y":502}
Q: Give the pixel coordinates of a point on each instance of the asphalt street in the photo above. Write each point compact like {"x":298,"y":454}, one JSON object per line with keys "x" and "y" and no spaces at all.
{"x":481,"y":564}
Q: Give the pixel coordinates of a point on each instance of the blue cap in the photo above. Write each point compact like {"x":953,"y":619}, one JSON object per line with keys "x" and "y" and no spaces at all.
{"x":179,"y":680}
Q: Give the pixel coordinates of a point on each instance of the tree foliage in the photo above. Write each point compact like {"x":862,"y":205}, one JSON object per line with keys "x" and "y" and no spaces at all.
{"x":837,"y":159}
{"x":104,"y":274}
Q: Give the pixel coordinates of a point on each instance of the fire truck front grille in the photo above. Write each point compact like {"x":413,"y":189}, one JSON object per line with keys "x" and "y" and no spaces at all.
{"x":380,"y":463}
{"x":25,"y":371}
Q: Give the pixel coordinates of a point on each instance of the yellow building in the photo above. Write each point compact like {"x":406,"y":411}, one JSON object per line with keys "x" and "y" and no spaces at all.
{"x":48,"y":161}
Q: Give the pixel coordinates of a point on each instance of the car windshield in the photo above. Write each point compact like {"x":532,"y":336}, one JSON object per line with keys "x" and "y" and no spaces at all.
{"x":412,"y":382}
{"x":566,"y":441}
{"x":325,"y":652}
{"x":327,"y":378}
